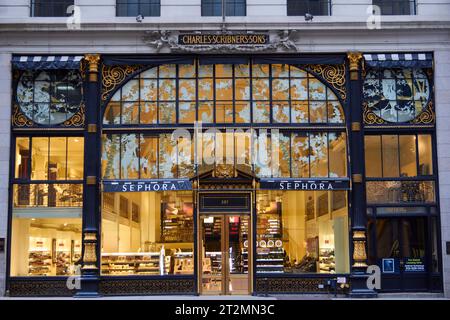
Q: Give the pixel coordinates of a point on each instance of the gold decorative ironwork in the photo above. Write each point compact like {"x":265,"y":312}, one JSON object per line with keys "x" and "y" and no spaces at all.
{"x":356,"y":126}
{"x":113,"y":76}
{"x":90,"y":236}
{"x":90,"y":251}
{"x":427,"y":116}
{"x":77,"y":120}
{"x":359,"y":249}
{"x":354,"y":59}
{"x":333,"y":74}
{"x":19,"y":119}
{"x":224,"y":171}
{"x":146,"y":286}
{"x":93,"y":60}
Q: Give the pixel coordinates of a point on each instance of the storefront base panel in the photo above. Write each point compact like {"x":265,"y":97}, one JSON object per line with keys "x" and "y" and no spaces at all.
{"x":122,"y":287}
{"x":38,"y":288}
{"x":303,"y":285}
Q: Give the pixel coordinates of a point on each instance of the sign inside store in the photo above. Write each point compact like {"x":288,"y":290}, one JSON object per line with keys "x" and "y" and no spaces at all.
{"x":189,"y":39}
{"x":290,"y":184}
{"x":147,"y":185}
{"x":414,"y":265}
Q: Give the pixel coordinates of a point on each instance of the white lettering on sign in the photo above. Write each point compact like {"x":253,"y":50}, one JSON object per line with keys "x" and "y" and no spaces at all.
{"x":305,"y":186}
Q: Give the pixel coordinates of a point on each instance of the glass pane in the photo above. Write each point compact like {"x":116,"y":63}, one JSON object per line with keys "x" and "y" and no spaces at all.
{"x":280,"y":89}
{"x":149,"y":73}
{"x":238,"y":236}
{"x":155,"y":239}
{"x":281,"y":155}
{"x":130,"y":113}
{"x":390,"y":155}
{"x":205,"y":89}
{"x":317,"y":90}
{"x":262,"y":154}
{"x":224,"y":70}
{"x":205,"y":70}
{"x":335,"y":112}
{"x":260,"y":70}
{"x":242,"y":89}
{"x":112,"y":113}
{"x":317,"y":112}
{"x":22,"y":165}
{"x":186,"y":112}
{"x":167,"y":156}
{"x":149,"y":113}
{"x":299,"y":89}
{"x":167,"y":90}
{"x":414,"y":238}
{"x":296,"y":72}
{"x":206,"y":112}
{"x":319,"y":154}
{"x":149,"y":90}
{"x":372,"y":151}
{"x":224,"y":89}
{"x":241,"y":70}
{"x":225,"y":148}
{"x":167,"y":112}
{"x":281,"y":112}
{"x":425,"y":155}
{"x":434,"y":246}
{"x":300,"y":112}
{"x":408,"y":162}
{"x":242,"y":113}
{"x":261,"y":89}
{"x":148,"y":157}
{"x":45,"y":246}
{"x":186,"y":70}
{"x":337,"y":155}
{"x":39,"y":158}
{"x":75,"y":158}
{"x":111,"y":156}
{"x":280,"y":70}
{"x":185,"y":157}
{"x":129,"y":156}
{"x":211,"y":247}
{"x":243,"y":148}
{"x":130,"y":91}
{"x":261,"y":112}
{"x":186,"y":90}
{"x":300,"y":155}
{"x":224,"y":112}
{"x":388,"y":238}
{"x":167,"y":71}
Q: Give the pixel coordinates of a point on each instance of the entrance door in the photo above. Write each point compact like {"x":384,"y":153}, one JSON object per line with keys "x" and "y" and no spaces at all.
{"x":401,"y":252}
{"x":224,"y":260}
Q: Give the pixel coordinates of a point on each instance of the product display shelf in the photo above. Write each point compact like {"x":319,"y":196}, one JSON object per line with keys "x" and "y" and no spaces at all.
{"x":39,"y":262}
{"x":327,"y":261}
{"x":147,"y":263}
{"x":183,"y":263}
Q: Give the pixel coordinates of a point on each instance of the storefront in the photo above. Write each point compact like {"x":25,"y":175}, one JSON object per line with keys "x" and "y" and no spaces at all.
{"x":223,"y":174}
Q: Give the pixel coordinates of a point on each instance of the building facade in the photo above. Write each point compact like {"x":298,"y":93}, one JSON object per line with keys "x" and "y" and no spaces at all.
{"x":160,"y":147}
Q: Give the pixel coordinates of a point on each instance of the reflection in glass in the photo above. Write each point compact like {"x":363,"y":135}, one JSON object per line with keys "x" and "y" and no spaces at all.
{"x":318,"y":143}
{"x":408,"y":160}
{"x":22,"y":165}
{"x":425,"y":155}
{"x":39,"y":158}
{"x":372,"y":150}
{"x":400,"y":191}
{"x":47,"y":195}
{"x":390,"y":155}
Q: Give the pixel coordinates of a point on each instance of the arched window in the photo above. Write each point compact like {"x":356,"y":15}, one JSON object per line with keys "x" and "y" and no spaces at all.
{"x":290,"y":123}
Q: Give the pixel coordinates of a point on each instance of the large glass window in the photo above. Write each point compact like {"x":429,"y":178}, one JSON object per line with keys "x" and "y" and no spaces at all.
{"x":271,"y":153}
{"x":147,"y":233}
{"x":224,"y":94}
{"x":302,"y":232}
{"x":398,"y":155}
{"x":396,"y":7}
{"x":232,"y":7}
{"x":133,"y":8}
{"x":314,"y":7}
{"x":49,"y":97}
{"x":51,"y":8}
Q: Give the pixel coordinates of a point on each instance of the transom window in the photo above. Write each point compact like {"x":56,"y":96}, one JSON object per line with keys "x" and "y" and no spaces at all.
{"x":133,"y":8}
{"x":49,"y":97}
{"x":314,"y":7}
{"x":397,"y":95}
{"x":224,"y":94}
{"x":51,"y":8}
{"x":396,"y":7}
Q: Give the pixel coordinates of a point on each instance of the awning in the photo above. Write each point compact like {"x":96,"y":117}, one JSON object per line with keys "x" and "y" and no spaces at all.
{"x":46,"y":62}
{"x":399,"y":60}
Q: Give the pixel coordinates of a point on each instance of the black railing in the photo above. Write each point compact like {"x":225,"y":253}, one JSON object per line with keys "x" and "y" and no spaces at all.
{"x":49,"y":8}
{"x":314,"y":7}
{"x":133,"y":8}
{"x":396,"y":7}
{"x":232,"y":7}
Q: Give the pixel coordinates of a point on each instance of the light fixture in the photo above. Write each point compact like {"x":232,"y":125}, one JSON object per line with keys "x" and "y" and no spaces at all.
{"x":308,"y":17}
{"x":139,"y":18}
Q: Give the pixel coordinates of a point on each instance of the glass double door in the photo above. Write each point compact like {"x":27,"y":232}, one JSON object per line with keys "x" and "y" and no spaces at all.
{"x":225,"y":247}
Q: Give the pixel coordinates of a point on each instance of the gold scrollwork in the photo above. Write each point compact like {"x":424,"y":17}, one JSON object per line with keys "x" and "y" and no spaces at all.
{"x":19,"y":119}
{"x":77,"y":120}
{"x":333,"y":74}
{"x":113,"y":76}
{"x":427,"y":116}
{"x":359,"y":249}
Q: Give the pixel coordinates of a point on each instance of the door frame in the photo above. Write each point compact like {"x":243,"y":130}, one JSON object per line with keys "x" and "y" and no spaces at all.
{"x":199,"y":234}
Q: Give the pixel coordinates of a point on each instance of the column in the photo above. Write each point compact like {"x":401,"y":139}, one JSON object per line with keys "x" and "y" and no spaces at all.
{"x":90,"y":271}
{"x":358,"y":245}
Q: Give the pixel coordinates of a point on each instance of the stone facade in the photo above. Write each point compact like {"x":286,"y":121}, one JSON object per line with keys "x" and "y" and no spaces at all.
{"x":345,"y":30}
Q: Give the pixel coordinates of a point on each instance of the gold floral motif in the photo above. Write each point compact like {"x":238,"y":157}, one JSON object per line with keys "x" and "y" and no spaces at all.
{"x":353,"y":59}
{"x":19,"y":119}
{"x":89,"y":257}
{"x":427,"y":116}
{"x":113,"y":76}
{"x":224,"y":171}
{"x":77,"y":120}
{"x":333,"y":74}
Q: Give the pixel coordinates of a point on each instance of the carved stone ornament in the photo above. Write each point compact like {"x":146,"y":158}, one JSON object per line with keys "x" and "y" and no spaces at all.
{"x":167,"y":41}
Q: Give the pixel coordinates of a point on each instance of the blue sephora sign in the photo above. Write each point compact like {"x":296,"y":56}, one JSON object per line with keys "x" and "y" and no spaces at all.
{"x":147,"y":185}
